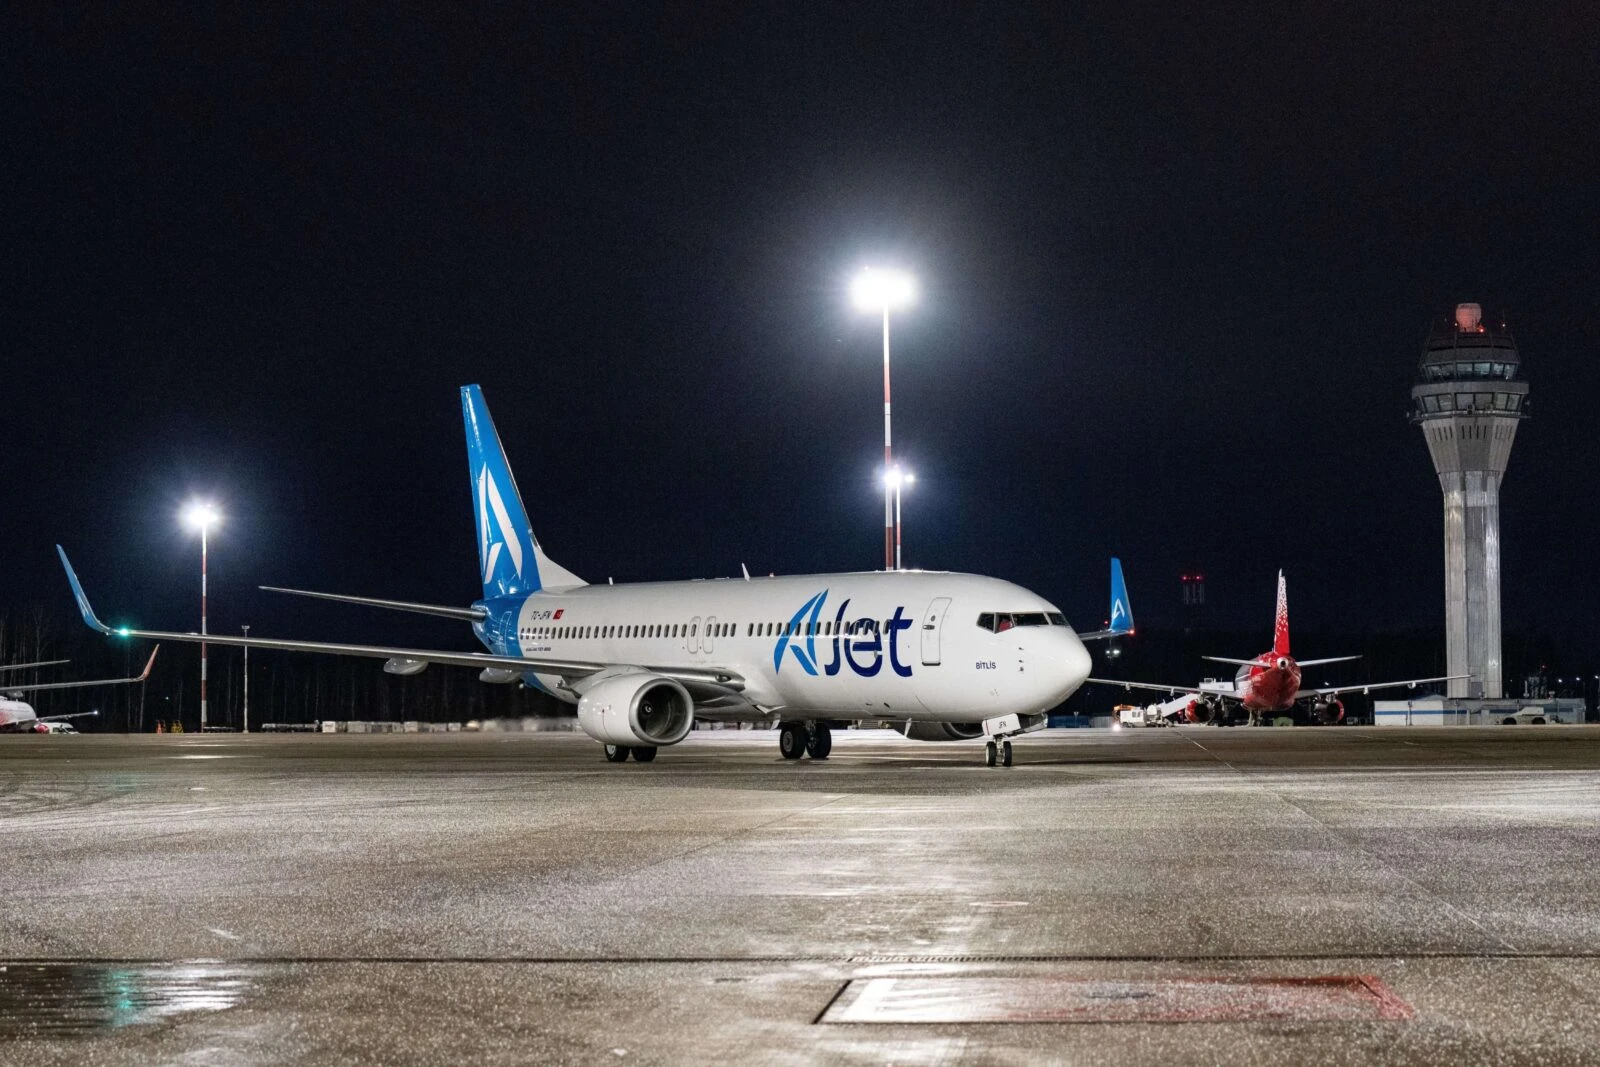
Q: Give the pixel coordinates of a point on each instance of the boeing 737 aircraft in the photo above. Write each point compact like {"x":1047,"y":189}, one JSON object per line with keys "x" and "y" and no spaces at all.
{"x":1267,"y":684}
{"x":18,"y":716}
{"x":946,"y":656}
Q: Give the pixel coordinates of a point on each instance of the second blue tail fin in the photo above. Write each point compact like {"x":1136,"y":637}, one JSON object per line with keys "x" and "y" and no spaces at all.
{"x":1121,"y":618}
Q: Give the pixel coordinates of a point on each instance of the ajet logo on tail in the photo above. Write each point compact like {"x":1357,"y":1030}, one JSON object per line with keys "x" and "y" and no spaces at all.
{"x":858,"y":643}
{"x":491,"y":503}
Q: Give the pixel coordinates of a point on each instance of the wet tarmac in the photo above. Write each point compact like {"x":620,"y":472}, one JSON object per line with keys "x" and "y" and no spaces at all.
{"x":1155,"y":896}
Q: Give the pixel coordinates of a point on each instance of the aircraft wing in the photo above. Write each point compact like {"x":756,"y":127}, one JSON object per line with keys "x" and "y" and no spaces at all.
{"x":35,"y":663}
{"x":141,"y":676}
{"x":567,"y":668}
{"x":1170,"y":690}
{"x":1409,"y":683}
{"x":68,"y":715}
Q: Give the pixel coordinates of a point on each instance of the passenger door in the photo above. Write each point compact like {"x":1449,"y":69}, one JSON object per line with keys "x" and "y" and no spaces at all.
{"x":710,"y":641}
{"x":932,"y":627}
{"x":694,"y":634}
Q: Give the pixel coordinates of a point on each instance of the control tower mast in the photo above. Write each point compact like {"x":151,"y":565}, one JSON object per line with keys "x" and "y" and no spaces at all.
{"x":1468,"y":401}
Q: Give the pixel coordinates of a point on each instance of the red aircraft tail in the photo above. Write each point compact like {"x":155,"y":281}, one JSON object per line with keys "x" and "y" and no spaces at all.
{"x":1280,"y":631}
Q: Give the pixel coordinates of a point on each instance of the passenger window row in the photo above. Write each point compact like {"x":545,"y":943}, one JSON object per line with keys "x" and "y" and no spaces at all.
{"x":713,"y":630}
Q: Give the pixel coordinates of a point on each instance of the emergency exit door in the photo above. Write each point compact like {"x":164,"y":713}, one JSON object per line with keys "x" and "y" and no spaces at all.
{"x":932,"y":627}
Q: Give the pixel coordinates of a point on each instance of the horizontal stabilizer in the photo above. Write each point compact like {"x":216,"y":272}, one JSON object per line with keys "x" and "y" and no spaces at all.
{"x":1332,"y":659}
{"x":1235,"y":662}
{"x":448,"y":612}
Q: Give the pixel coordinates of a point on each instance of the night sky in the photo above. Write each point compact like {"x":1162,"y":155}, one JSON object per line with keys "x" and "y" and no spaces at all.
{"x":1176,"y":269}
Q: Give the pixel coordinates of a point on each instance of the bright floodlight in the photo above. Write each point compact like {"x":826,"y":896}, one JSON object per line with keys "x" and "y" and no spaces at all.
{"x":896,"y":477}
{"x":882,"y":290}
{"x":201,"y":516}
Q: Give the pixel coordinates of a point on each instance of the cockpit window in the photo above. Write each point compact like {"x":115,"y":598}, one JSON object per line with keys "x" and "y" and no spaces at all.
{"x":1000,"y":621}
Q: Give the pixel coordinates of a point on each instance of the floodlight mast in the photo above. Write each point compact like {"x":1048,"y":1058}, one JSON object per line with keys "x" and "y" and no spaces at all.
{"x":899,"y":479}
{"x":880,"y":290}
{"x":202,"y":516}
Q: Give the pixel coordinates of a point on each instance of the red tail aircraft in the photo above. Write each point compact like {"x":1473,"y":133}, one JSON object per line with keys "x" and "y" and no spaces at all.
{"x":1267,"y":685}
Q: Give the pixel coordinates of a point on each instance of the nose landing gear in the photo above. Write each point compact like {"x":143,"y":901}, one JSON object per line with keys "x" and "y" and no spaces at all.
{"x":999,"y":732}
{"x":997,"y":752}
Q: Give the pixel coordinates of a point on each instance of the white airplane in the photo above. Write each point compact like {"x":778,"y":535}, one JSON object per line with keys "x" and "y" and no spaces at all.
{"x":18,"y":716}
{"x":947,"y":656}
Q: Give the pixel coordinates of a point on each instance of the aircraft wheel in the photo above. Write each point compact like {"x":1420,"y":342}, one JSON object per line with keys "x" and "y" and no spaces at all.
{"x":643,"y":753}
{"x":792,"y":738}
{"x":821,"y":742}
{"x":1005,"y":753}
{"x":990,"y":753}
{"x":616,"y":753}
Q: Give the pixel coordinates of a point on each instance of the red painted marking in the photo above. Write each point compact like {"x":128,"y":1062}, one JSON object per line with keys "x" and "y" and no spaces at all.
{"x":1058,"y":999}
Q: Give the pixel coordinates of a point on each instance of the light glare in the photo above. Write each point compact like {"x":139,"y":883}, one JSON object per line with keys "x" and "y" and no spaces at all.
{"x":201,"y":515}
{"x":895,"y":478}
{"x":882,"y":290}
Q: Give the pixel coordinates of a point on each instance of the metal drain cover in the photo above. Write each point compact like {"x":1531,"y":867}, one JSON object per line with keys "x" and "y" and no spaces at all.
{"x":1055,"y":999}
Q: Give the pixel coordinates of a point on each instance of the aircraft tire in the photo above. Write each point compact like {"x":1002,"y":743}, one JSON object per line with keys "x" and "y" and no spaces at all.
{"x":643,"y":753}
{"x":990,"y":753}
{"x":616,"y":753}
{"x":1005,"y":753}
{"x":792,"y":737}
{"x":821,"y":742}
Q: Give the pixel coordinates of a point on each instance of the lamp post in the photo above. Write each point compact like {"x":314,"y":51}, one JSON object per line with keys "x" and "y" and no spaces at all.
{"x":882,"y":290}
{"x":897,"y":480}
{"x":202,"y":516}
{"x":246,"y":630}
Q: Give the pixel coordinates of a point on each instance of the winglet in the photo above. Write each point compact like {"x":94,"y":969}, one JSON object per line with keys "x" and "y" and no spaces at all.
{"x":83,"y":600}
{"x":1121,"y":619}
{"x":149,"y":663}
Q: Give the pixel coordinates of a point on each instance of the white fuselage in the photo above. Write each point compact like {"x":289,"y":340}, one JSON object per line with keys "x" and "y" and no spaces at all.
{"x":904,"y":645}
{"x":16,"y":714}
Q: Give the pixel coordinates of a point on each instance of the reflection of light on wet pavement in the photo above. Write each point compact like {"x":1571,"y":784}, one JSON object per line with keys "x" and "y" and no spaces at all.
{"x":1332,"y":998}
{"x":41,"y":999}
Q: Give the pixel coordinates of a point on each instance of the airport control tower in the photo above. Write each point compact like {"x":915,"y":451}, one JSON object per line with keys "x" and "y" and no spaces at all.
{"x":1468,"y":401}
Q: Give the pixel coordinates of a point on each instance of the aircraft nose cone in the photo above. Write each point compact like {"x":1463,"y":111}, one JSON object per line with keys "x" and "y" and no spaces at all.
{"x":1070,"y":665}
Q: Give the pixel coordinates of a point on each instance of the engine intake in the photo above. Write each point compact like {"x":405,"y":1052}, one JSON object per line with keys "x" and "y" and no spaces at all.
{"x":944,"y":731}
{"x":1329,"y":713}
{"x":637,"y":709}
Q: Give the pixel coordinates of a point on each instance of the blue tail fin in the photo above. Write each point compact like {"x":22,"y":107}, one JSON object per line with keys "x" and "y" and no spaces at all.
{"x":509,"y":557}
{"x":1121,"y":607}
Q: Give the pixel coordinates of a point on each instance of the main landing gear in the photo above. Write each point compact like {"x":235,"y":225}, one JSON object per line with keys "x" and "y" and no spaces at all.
{"x":620,"y":753}
{"x":997,"y":752}
{"x":796,"y":739}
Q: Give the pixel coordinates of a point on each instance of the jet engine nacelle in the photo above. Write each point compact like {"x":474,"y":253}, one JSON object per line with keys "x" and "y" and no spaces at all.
{"x":944,"y":731}
{"x":1328,"y":713}
{"x":637,"y":709}
{"x":1201,"y":710}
